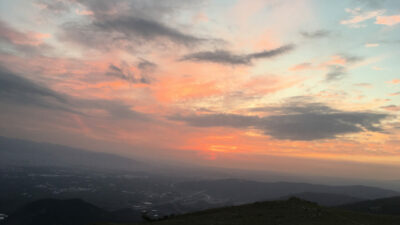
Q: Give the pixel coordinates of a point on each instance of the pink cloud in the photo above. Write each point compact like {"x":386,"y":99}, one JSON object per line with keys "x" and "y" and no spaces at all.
{"x":377,"y":68}
{"x":395,"y":94}
{"x":388,"y":20}
{"x":16,"y":37}
{"x":394,"y":108}
{"x":243,"y":9}
{"x":200,"y":17}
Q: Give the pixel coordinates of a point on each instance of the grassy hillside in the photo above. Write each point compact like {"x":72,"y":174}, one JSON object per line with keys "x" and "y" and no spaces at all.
{"x":289,"y":212}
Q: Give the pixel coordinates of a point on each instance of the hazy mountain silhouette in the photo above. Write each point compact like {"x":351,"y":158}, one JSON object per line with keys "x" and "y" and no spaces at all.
{"x":16,"y":152}
{"x":325,"y":199}
{"x":67,"y":212}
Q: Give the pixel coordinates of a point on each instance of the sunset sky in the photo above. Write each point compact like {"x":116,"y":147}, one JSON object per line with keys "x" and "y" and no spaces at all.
{"x":299,"y":86}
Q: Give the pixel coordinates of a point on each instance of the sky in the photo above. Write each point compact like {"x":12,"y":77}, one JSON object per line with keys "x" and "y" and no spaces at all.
{"x":297,"y":86}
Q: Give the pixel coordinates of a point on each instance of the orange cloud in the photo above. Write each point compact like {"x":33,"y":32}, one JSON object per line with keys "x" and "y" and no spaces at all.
{"x":303,"y":66}
{"x":263,"y":85}
{"x":371,"y":45}
{"x":394,"y":81}
{"x":228,"y":142}
{"x":182,"y":81}
{"x":84,"y":12}
{"x":336,"y":60}
{"x":184,"y":88}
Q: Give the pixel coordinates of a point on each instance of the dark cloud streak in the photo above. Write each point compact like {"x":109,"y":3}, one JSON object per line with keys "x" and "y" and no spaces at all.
{"x":145,"y":29}
{"x":295,"y":121}
{"x":315,"y":34}
{"x":118,"y":72}
{"x":226,"y":57}
{"x":18,"y":89}
{"x":337,"y":72}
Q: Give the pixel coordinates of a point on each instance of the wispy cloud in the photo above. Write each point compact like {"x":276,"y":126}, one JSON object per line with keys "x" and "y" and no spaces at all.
{"x":365,"y":85}
{"x":371,"y":45}
{"x":358,"y":16}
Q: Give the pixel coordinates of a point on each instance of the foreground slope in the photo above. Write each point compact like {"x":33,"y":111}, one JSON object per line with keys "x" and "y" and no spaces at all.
{"x":289,"y":212}
{"x":390,"y":206}
{"x":67,"y":212}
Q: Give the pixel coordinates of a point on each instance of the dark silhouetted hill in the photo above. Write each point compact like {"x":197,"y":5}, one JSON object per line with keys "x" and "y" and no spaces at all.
{"x":389,"y":206}
{"x":67,"y":212}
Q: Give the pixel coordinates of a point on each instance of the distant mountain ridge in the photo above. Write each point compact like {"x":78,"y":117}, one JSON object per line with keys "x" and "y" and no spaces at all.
{"x":243,"y":191}
{"x":16,"y":152}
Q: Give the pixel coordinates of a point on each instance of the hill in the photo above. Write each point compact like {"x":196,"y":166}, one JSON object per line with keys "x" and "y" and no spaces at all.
{"x":389,"y":206}
{"x":67,"y":212}
{"x":289,"y":212}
